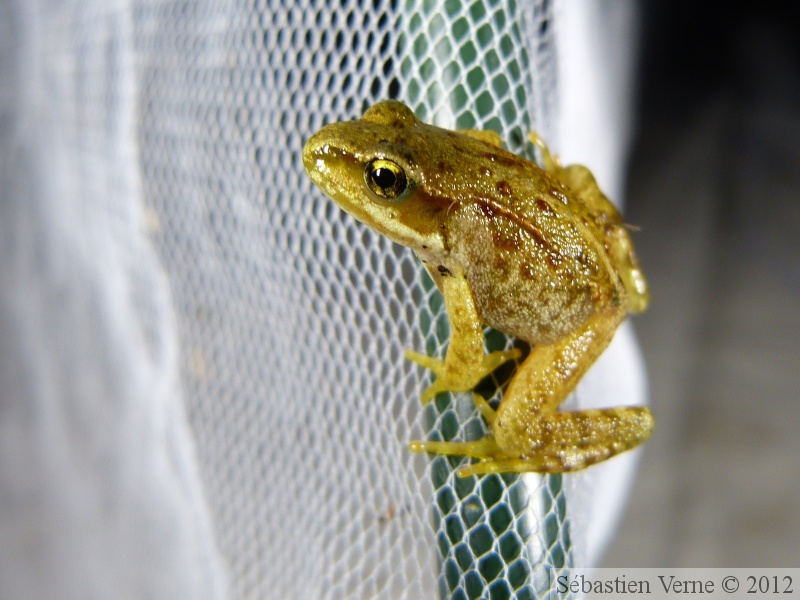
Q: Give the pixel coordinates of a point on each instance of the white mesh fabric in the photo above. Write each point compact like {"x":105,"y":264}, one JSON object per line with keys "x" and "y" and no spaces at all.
{"x":100,"y":490}
{"x":203,"y":387}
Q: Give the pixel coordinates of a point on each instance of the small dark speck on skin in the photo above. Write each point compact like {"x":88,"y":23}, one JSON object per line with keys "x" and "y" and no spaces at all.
{"x":444,"y":271}
{"x":583,"y":259}
{"x":543,"y":206}
{"x":503,"y":188}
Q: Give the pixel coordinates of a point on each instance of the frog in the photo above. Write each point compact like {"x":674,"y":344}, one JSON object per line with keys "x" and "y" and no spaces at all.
{"x":536,"y":252}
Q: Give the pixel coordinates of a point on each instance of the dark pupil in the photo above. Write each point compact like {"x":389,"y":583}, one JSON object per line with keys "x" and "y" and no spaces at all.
{"x":384,"y":178}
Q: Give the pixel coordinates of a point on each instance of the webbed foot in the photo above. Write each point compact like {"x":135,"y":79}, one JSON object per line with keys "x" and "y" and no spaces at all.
{"x":568,"y":442}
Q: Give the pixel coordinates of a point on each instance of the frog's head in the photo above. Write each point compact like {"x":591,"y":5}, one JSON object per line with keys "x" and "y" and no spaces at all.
{"x":371,"y":168}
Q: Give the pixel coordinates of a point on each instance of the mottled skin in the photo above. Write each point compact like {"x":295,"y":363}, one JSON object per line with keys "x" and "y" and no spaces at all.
{"x":537,"y":253}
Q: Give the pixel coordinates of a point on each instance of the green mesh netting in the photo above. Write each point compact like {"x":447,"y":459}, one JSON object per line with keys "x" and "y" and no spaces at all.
{"x":469,"y":66}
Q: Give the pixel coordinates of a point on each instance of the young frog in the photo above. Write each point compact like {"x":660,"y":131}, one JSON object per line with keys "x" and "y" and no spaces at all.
{"x":537,"y":253}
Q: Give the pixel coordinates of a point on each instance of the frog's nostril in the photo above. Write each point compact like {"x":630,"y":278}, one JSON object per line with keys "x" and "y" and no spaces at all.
{"x":311,"y":146}
{"x":316,"y":153}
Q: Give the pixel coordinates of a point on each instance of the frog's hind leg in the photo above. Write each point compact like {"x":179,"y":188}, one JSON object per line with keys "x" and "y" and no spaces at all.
{"x":568,"y":441}
{"x":577,"y":177}
{"x":534,"y":436}
{"x":571,"y":441}
{"x":580,"y":180}
{"x":578,"y":439}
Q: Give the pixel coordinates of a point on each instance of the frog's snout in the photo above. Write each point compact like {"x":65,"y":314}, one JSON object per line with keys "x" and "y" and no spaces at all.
{"x":332,"y":166}
{"x":319,"y":159}
{"x":311,"y":151}
{"x":325,"y":149}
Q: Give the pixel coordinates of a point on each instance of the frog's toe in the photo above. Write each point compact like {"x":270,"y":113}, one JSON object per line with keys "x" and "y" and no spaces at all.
{"x":423,"y":360}
{"x":494,"y":359}
{"x":550,"y":161}
{"x":429,"y":393}
{"x":485,"y":409}
{"x":484,"y":448}
{"x":444,"y":384}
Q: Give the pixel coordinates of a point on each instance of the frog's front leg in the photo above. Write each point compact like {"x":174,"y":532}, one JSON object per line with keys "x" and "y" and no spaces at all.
{"x":465,"y":363}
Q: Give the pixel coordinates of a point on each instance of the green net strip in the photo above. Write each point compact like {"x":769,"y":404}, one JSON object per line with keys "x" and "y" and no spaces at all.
{"x":466,"y":65}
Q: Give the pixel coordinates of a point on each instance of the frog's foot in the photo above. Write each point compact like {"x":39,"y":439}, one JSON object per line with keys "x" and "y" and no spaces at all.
{"x":569,"y":442}
{"x":492,"y":458}
{"x":485,"y":449}
{"x":458,"y":378}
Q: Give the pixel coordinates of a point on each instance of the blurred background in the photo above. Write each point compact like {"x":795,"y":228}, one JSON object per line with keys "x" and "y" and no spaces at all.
{"x":714,"y":185}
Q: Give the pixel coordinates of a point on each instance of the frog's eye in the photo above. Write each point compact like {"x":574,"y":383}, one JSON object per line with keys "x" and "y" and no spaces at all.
{"x":386,"y":178}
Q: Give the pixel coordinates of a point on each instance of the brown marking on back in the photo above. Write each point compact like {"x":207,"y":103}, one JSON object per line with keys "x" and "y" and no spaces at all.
{"x":490,"y":208}
{"x":527,"y":271}
{"x":583,"y":259}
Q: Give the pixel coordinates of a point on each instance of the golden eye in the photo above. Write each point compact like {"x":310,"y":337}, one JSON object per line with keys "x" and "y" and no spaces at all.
{"x":386,"y":178}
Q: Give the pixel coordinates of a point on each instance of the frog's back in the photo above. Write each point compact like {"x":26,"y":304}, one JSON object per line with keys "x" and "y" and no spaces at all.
{"x":531,"y":249}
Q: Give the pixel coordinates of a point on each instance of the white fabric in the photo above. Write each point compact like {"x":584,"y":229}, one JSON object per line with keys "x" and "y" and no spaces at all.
{"x":597,"y":47}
